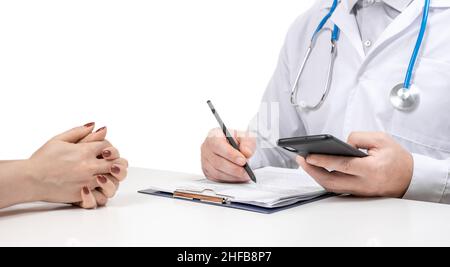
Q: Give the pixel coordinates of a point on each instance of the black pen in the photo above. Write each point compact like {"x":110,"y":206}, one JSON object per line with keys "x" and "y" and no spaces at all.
{"x":230,"y":139}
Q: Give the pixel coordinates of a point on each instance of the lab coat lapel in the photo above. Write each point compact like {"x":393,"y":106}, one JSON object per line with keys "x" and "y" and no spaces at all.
{"x":402,"y":22}
{"x":346,"y":21}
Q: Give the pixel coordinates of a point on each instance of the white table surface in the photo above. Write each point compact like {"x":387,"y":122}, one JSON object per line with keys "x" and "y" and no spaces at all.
{"x":133,"y":219}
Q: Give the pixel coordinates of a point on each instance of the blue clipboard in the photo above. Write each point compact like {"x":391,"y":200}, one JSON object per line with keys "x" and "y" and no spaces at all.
{"x":234,"y":205}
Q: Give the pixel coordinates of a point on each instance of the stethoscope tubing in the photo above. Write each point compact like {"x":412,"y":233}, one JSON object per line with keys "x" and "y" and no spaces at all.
{"x":412,"y":63}
{"x":335,"y":37}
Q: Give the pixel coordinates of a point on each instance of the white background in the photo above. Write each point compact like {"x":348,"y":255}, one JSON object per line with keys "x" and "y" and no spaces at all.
{"x":143,"y":68}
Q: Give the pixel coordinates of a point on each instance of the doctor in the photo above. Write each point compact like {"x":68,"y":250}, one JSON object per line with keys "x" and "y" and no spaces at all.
{"x":388,"y":92}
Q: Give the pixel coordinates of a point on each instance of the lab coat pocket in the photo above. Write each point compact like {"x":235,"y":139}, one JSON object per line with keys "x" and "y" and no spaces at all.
{"x":428,"y":126}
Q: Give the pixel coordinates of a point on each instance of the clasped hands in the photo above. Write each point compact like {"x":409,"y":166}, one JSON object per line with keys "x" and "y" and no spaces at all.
{"x":78,"y":167}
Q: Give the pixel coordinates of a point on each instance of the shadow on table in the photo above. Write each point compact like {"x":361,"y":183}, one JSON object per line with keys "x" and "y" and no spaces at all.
{"x":121,"y":201}
{"x":20,"y":211}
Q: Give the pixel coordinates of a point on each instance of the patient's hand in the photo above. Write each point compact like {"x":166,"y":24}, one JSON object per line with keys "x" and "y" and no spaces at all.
{"x":67,"y":169}
{"x":107,"y":183}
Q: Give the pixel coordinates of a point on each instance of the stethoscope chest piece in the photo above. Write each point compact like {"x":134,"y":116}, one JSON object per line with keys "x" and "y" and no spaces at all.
{"x":405,"y":99}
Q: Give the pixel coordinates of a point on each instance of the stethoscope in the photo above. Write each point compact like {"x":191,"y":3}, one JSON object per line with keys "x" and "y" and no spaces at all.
{"x":404,"y":97}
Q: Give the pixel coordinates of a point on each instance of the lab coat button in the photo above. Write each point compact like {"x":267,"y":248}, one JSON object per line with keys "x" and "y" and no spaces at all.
{"x":367,"y":3}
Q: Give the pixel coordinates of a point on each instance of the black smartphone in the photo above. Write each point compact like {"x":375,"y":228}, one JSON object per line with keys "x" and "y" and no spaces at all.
{"x":320,"y":144}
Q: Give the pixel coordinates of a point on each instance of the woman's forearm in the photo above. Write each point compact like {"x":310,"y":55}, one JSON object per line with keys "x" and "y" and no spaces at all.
{"x":17,"y":184}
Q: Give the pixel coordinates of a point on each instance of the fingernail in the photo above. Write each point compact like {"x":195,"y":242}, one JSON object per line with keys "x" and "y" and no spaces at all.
{"x":102,"y":179}
{"x":241,"y":161}
{"x":101,"y":129}
{"x":115,"y":169}
{"x":106,"y":154}
{"x":310,"y":160}
{"x":86,"y":190}
{"x":88,"y":125}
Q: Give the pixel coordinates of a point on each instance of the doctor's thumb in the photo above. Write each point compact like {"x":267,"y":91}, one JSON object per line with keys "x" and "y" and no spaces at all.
{"x":367,"y":140}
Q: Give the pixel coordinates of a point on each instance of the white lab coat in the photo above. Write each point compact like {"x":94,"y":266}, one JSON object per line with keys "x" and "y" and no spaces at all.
{"x":359,"y":97}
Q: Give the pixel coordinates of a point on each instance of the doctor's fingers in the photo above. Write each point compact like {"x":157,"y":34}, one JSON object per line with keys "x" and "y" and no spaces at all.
{"x":368,"y":140}
{"x":222,"y":148}
{"x":227,"y":167}
{"x":218,"y":143}
{"x":247,"y":143}
{"x":216,"y":175}
{"x":334,"y":182}
{"x":347,"y":165}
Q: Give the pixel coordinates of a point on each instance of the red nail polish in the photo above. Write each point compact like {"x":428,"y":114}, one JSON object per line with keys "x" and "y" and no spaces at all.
{"x":115,"y":169}
{"x":101,"y":129}
{"x":87,"y":125}
{"x":106,"y":154}
{"x":86,"y":190}
{"x":102,"y":179}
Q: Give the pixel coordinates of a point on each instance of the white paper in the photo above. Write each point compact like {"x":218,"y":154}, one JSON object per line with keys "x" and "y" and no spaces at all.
{"x":275,"y":187}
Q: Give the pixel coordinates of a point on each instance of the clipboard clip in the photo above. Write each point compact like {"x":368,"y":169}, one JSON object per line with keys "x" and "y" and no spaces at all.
{"x":206,"y":195}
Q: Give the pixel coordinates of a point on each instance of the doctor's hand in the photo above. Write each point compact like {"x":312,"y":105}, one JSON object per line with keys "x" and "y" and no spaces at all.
{"x":221,"y":162}
{"x":386,"y":172}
